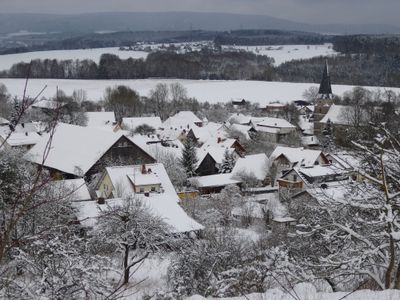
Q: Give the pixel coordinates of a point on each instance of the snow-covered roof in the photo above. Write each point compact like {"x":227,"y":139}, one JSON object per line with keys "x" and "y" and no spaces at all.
{"x":255,"y":164}
{"x":213,"y":180}
{"x":29,"y":127}
{"x":21,"y":139}
{"x":74,"y":189}
{"x":218,"y":143}
{"x":133,"y":123}
{"x":161,"y":205}
{"x":339,"y":191}
{"x":309,"y":140}
{"x":74,"y":149}
{"x":305,"y":157}
{"x":120,"y":177}
{"x":156,"y":149}
{"x":276,"y":104}
{"x":337,"y":115}
{"x":320,"y":171}
{"x":244,"y":129}
{"x":208,"y":131}
{"x":144,"y":179}
{"x":215,"y":149}
{"x":182,"y":119}
{"x":275,"y":123}
{"x":100,"y":119}
{"x":346,"y":160}
{"x":239,"y":118}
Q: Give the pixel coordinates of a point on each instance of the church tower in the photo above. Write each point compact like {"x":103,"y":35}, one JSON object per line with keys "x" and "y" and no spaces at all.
{"x":324,"y":100}
{"x":325,"y":88}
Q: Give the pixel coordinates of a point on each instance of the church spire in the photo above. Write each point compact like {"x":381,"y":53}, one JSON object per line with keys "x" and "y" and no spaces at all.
{"x":325,"y":88}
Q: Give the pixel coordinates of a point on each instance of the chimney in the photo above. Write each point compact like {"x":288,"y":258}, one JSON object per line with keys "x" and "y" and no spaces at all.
{"x":144,"y":171}
{"x":219,"y":140}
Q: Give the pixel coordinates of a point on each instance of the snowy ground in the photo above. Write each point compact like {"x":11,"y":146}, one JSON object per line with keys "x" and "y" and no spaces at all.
{"x":212,"y":91}
{"x":306,"y":291}
{"x":6,"y":61}
{"x":286,"y":53}
{"x":151,"y":276}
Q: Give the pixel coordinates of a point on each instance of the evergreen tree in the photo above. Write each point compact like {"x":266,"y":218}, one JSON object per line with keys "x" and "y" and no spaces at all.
{"x":327,"y":139}
{"x":189,"y":158}
{"x":227,"y":163}
{"x":15,"y":115}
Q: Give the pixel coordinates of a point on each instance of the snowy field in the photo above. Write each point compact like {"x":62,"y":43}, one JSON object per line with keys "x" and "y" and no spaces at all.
{"x":213,"y":91}
{"x":286,"y":53}
{"x":281,"y":54}
{"x":6,"y":61}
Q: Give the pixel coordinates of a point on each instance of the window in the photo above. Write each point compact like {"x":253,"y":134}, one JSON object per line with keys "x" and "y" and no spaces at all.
{"x":294,"y":177}
{"x":141,"y":189}
{"x":153,"y":188}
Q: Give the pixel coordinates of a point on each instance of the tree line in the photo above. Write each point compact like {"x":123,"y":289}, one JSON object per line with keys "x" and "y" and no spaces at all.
{"x":270,"y":37}
{"x":369,"y":44}
{"x":352,"y":69}
{"x":205,"y":64}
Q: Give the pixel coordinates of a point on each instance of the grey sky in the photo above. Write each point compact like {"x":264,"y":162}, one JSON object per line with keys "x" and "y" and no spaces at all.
{"x":310,"y":11}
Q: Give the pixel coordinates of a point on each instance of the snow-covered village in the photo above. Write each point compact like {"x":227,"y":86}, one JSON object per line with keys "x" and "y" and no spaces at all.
{"x":140,"y":159}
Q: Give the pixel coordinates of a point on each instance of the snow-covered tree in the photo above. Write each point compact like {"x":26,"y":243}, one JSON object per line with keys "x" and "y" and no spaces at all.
{"x":224,"y":265}
{"x":189,"y":158}
{"x":42,"y":252}
{"x":352,"y":233}
{"x":228,"y":162}
{"x":133,"y":232}
{"x":175,"y":171}
{"x":224,"y":202}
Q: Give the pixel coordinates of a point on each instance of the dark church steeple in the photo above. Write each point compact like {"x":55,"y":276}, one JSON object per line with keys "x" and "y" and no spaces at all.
{"x":325,"y":88}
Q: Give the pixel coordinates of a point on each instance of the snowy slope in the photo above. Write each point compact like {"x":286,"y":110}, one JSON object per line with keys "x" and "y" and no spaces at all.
{"x":212,"y":91}
{"x":286,"y":53}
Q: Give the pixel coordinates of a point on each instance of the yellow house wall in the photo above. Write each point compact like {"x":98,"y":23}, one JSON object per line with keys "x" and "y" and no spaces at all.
{"x":106,"y":187}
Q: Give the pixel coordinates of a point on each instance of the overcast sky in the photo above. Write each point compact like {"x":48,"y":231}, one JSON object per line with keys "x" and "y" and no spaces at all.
{"x":310,"y":11}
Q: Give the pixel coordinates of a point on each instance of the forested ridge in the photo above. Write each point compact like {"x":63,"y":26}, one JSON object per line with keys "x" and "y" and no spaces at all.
{"x":364,"y":60}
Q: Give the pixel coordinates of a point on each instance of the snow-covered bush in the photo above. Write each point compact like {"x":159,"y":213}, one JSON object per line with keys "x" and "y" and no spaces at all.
{"x":223,"y":265}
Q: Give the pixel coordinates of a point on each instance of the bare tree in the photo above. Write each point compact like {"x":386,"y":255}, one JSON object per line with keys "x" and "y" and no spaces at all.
{"x":160,"y":96}
{"x":178,"y":92}
{"x":133,"y":231}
